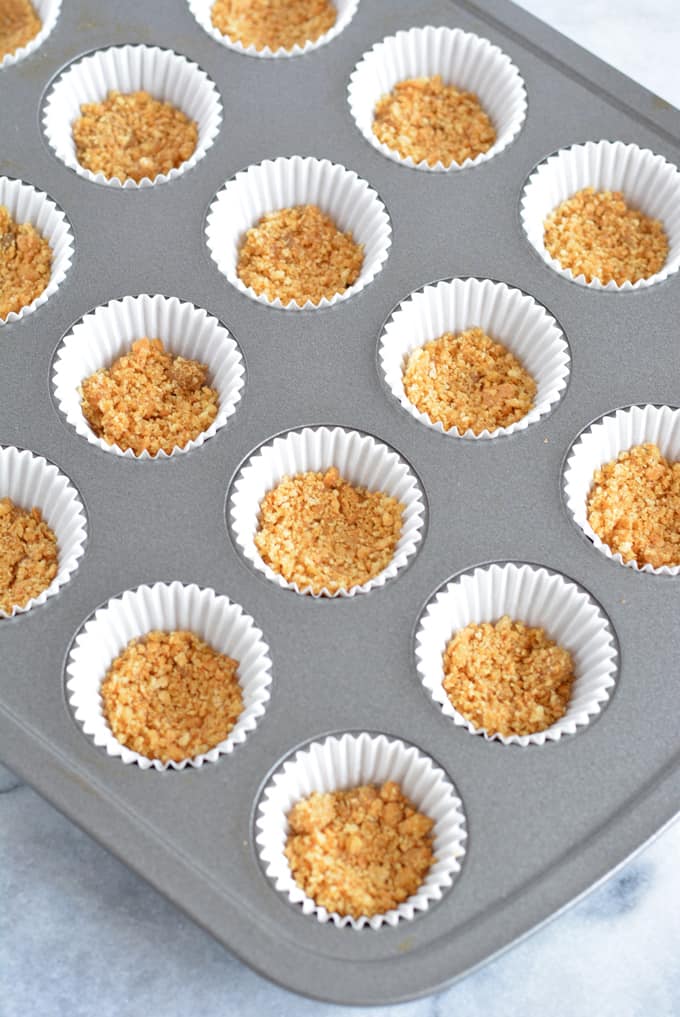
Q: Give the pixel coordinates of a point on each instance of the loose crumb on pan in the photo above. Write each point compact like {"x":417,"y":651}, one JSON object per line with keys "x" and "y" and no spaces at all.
{"x":468,"y":381}
{"x":634,"y":506}
{"x":432,"y":122}
{"x":171,"y":696}
{"x":132,"y":136}
{"x":299,"y":254}
{"x":278,"y":24}
{"x":25,"y":264}
{"x":598,"y":235}
{"x":321,"y":532}
{"x":19,"y":23}
{"x":149,"y":400}
{"x":29,"y":557}
{"x":359,"y":852}
{"x":507,"y":677}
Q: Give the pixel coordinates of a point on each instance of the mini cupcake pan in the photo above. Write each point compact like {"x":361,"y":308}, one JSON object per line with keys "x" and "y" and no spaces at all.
{"x":537,"y":823}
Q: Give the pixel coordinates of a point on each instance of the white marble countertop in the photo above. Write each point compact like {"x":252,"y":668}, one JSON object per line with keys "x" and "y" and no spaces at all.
{"x":80,"y":935}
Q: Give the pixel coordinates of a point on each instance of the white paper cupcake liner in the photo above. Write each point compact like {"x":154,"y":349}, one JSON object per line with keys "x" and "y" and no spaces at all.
{"x":27,"y":204}
{"x":600,"y":443}
{"x":507,"y":315}
{"x":166,"y":607}
{"x":359,"y":458}
{"x":462,"y":59}
{"x":48,"y":12}
{"x":282,"y":183}
{"x":343,"y":761}
{"x":162,"y":73}
{"x":537,"y":597}
{"x":31,"y":482}
{"x":201,"y":10}
{"x":108,"y":333}
{"x":647,"y":182}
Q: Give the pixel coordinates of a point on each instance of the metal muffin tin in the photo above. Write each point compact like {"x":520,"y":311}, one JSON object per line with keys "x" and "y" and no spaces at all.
{"x":544,"y":823}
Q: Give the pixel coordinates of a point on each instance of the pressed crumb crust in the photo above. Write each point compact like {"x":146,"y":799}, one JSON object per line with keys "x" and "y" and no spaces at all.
{"x":19,"y":23}
{"x":25,"y":264}
{"x":597,"y":234}
{"x":359,"y":852}
{"x":507,"y":677}
{"x":132,"y":136}
{"x":29,"y":557}
{"x":634,"y":506}
{"x":321,"y":532}
{"x":432,"y":122}
{"x":170,"y":696}
{"x":299,"y":254}
{"x":468,"y":381}
{"x":149,"y":400}
{"x":278,"y":24}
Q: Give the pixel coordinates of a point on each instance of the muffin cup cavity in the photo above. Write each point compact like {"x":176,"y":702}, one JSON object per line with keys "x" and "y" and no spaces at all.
{"x":31,"y":482}
{"x":285,"y":182}
{"x":348,"y":760}
{"x":26,"y":204}
{"x":646,"y":180}
{"x":462,"y":59}
{"x":201,"y":10}
{"x":360,"y":458}
{"x":600,"y":443}
{"x":537,"y":597}
{"x":507,"y":315}
{"x":165,"y":75}
{"x":108,"y":332}
{"x":48,"y":12}
{"x":168,"y":607}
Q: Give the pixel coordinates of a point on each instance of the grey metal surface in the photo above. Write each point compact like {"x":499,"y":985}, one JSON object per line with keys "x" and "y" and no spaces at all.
{"x":544,"y":823}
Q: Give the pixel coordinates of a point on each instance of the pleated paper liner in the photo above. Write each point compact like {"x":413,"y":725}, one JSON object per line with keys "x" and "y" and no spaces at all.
{"x":166,"y":607}
{"x":201,"y":11}
{"x":647,"y":182}
{"x":26,"y":204}
{"x":507,"y":315}
{"x":348,"y":760}
{"x":165,"y":75}
{"x":463,"y":59}
{"x":360,"y":458}
{"x":537,"y":597}
{"x":108,"y":333}
{"x":31,"y":482}
{"x":282,"y":183}
{"x":600,"y":443}
{"x":48,"y":12}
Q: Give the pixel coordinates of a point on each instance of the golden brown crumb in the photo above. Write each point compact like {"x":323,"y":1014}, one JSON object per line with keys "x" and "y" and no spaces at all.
{"x":25,"y":264}
{"x":468,"y":381}
{"x":19,"y":23}
{"x":432,"y":122}
{"x":132,"y":135}
{"x":507,"y":678}
{"x":319,"y":531}
{"x":299,"y":254}
{"x":274,"y":23}
{"x":634,"y":506}
{"x":595,"y":233}
{"x":149,"y":400}
{"x":29,"y":556}
{"x":171,"y":696}
{"x":359,"y":852}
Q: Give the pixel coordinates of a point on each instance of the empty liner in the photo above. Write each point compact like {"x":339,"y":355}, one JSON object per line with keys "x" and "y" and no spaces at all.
{"x":166,"y":607}
{"x":108,"y":333}
{"x":647,"y":182}
{"x":344,"y":761}
{"x":537,"y":597}
{"x":602,"y":442}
